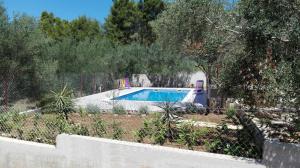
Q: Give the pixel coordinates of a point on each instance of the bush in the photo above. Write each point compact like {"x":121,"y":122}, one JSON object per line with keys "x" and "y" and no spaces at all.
{"x":236,"y":143}
{"x":59,"y":102}
{"x":82,"y":112}
{"x":191,"y":108}
{"x":117,"y":131}
{"x":5,"y":125}
{"x":230,"y":113}
{"x":79,"y":129}
{"x":143,"y":110}
{"x":118,"y":109}
{"x":99,"y":128}
{"x":91,"y":108}
{"x":160,"y":132}
{"x":57,"y":125}
{"x":188,"y":135}
{"x":143,"y":132}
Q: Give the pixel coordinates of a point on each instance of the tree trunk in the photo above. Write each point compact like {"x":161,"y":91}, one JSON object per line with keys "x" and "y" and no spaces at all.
{"x":208,"y":82}
{"x":94,"y":83}
{"x":5,"y":93}
{"x":81,"y":84}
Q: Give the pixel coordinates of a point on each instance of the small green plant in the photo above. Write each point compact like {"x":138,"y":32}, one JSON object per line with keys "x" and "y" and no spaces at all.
{"x":119,"y":109}
{"x":5,"y":125}
{"x":79,"y":129}
{"x":35,"y":135}
{"x":191,"y":108}
{"x":36,"y":119}
{"x":143,"y":110}
{"x":230,"y":113}
{"x":143,"y":132}
{"x":57,"y":125}
{"x":160,"y":131}
{"x":99,"y":128}
{"x":117,"y":131}
{"x":168,"y":118}
{"x":82,"y":112}
{"x":91,"y":108}
{"x":60,"y":102}
{"x":188,"y":135}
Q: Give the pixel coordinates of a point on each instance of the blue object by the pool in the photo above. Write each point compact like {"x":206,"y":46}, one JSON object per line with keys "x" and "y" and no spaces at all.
{"x":156,"y":95}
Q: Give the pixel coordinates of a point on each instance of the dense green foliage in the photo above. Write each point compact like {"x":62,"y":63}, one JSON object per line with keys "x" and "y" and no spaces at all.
{"x":78,"y":29}
{"x":129,"y":21}
{"x":249,"y":51}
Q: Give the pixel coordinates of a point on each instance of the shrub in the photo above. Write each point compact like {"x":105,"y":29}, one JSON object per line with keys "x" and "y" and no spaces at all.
{"x":91,"y":108}
{"x":57,"y":125}
{"x":118,"y":109}
{"x":160,"y":132}
{"x":187,"y":135}
{"x":159,"y":135}
{"x":5,"y":125}
{"x":224,"y":142}
{"x":143,"y":110}
{"x":82,"y":112}
{"x":99,"y":128}
{"x":117,"y":131}
{"x":143,"y":132}
{"x":190,"y":135}
{"x":79,"y":129}
{"x":35,"y":135}
{"x":168,"y":118}
{"x":230,"y":113}
{"x":191,"y":108}
{"x":59,"y":102}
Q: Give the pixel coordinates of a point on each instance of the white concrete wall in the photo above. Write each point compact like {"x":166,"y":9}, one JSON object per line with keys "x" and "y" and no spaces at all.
{"x":87,"y":152}
{"x":198,"y":76}
{"x":145,"y":82}
{"x":21,"y":154}
{"x":281,"y":155}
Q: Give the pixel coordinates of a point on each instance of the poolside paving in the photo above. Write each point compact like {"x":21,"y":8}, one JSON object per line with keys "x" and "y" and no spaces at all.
{"x":209,"y":124}
{"x":105,"y":100}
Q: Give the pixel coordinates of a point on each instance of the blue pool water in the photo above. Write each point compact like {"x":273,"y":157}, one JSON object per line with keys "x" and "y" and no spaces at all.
{"x":156,"y":95}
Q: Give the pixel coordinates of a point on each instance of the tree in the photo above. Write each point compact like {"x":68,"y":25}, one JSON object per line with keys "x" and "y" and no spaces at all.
{"x":271,"y":34}
{"x":192,"y":28}
{"x":78,"y":29}
{"x":149,"y":10}
{"x":83,"y":27}
{"x":121,"y":24}
{"x":21,"y":48}
{"x":54,"y":27}
{"x":167,"y":68}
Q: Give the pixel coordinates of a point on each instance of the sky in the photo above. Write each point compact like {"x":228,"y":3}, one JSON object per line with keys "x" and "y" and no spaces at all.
{"x":65,"y":9}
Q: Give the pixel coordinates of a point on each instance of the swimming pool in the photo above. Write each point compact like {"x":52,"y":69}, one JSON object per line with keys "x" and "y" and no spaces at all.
{"x":156,"y":95}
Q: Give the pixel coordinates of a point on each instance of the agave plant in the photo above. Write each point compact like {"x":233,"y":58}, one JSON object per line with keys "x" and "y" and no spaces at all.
{"x":168,"y":117}
{"x":60,"y":102}
{"x":63,"y":101}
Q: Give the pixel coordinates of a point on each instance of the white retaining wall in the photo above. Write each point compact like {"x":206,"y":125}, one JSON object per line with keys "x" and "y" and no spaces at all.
{"x":281,"y":155}
{"x":74,"y":151}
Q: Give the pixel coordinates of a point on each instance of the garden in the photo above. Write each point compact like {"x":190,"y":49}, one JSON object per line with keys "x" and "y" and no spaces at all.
{"x":157,"y":128}
{"x":248,"y":51}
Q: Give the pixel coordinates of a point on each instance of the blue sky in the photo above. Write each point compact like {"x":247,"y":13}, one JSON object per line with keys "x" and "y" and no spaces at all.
{"x":66,"y":9}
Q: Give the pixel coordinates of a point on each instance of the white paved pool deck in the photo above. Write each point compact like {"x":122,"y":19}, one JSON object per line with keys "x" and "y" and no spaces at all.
{"x":104,"y":100}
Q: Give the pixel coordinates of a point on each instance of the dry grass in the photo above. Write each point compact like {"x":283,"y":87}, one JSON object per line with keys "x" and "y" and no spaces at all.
{"x":129,"y":124}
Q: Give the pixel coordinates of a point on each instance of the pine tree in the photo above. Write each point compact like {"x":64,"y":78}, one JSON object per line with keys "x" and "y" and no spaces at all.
{"x":121,"y":24}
